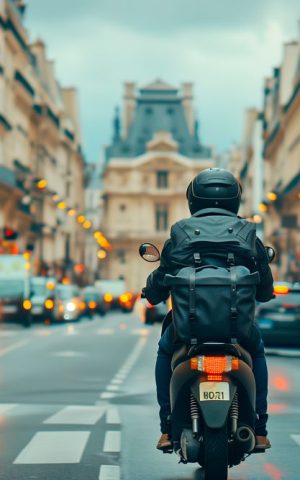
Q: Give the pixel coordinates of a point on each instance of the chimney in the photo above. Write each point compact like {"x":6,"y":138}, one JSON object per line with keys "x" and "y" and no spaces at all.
{"x":129,"y":106}
{"x":187,"y":102}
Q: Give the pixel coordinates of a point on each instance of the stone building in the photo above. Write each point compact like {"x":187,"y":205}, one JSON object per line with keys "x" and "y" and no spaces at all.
{"x":41,"y":163}
{"x":282,"y":162}
{"x":148,"y":167}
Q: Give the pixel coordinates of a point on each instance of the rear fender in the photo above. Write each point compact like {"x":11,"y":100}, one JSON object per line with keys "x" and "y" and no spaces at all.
{"x":214,"y":412}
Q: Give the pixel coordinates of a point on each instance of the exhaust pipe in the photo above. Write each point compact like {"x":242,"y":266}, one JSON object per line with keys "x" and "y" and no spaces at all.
{"x":246,"y":438}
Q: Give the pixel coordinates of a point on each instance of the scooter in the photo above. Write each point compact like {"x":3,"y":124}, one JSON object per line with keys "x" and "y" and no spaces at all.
{"x":213,"y":395}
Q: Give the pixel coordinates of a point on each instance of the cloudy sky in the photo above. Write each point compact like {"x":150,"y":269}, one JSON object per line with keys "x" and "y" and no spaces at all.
{"x":226,"y":47}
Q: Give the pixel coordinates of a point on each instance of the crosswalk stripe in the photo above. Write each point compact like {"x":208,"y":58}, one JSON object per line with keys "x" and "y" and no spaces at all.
{"x":77,"y":415}
{"x":54,"y":447}
{"x":296,"y":438}
{"x":112,"y":416}
{"x":112,"y":442}
{"x":109,"y":472}
{"x":105,"y":331}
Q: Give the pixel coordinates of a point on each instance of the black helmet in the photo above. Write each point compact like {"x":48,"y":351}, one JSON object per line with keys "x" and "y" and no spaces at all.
{"x":214,"y":188}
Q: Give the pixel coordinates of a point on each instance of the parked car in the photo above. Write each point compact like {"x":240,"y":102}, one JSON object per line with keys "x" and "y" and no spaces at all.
{"x":68,"y":303}
{"x":279,"y":319}
{"x":93,"y":300}
{"x":148,"y":313}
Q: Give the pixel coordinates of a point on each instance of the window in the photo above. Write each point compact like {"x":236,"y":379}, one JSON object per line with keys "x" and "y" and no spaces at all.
{"x":121,"y":254}
{"x":161,"y":218}
{"x":162,"y":179}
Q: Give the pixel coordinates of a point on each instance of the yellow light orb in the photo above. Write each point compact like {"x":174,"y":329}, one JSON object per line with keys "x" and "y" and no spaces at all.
{"x":102,"y":254}
{"x":81,"y":219}
{"x":87,"y":224}
{"x":61,"y":205}
{"x":272,"y":196}
{"x":263,"y":208}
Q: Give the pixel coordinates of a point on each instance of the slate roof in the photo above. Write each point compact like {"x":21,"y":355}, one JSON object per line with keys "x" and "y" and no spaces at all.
{"x":158,"y":107}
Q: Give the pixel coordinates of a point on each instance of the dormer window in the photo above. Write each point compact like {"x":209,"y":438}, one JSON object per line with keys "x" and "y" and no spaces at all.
{"x":162,"y":179}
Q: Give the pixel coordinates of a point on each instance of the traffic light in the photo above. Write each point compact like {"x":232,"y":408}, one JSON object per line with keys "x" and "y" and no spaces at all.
{"x":9,"y":234}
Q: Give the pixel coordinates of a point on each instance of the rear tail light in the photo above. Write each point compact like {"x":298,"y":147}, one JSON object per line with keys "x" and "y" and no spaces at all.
{"x":214,"y":366}
{"x":27,"y":305}
{"x":49,"y":304}
{"x":281,"y":289}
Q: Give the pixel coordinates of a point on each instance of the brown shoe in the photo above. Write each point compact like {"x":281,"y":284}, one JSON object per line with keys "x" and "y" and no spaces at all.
{"x":262,"y":443}
{"x":164,"y":443}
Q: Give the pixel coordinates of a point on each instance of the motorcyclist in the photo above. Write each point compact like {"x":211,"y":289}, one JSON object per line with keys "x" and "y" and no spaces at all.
{"x":219,"y":192}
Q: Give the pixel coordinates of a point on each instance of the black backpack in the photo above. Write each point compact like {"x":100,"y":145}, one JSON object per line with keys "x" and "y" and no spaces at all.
{"x":216,"y":302}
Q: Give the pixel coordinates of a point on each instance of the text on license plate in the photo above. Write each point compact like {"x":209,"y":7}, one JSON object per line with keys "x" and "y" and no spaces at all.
{"x":214,"y":391}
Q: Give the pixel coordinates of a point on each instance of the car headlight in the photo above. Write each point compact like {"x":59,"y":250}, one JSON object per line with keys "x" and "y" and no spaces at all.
{"x":71,"y":307}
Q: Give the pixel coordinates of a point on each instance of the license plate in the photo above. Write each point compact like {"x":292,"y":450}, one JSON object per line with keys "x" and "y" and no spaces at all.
{"x":10,"y":309}
{"x":212,"y":391}
{"x":37,"y":310}
{"x":265,"y":324}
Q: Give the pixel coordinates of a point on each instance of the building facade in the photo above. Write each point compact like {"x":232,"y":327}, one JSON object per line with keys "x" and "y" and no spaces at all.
{"x":41,"y":163}
{"x":93,"y":212}
{"x":282,"y":162}
{"x":148,"y":168}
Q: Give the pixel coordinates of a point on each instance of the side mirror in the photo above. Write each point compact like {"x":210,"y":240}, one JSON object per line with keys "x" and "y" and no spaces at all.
{"x":149,"y":252}
{"x":270,"y":253}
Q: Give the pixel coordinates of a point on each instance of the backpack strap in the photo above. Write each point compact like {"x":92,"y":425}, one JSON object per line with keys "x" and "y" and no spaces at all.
{"x":192,"y":312}
{"x":233,"y":308}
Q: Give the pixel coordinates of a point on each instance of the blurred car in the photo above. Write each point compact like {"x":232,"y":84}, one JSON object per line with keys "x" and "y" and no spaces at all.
{"x":42,"y":291}
{"x":279,"y":319}
{"x":148,"y":313}
{"x":126,"y":301}
{"x":68,"y":303}
{"x":93,"y":300}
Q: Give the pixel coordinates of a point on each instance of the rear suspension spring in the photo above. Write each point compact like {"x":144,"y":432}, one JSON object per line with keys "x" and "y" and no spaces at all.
{"x":194,"y":414}
{"x":234,"y":413}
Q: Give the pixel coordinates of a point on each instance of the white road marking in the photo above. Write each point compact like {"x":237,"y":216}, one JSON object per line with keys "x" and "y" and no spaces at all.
{"x":7,"y":333}
{"x":112,"y":442}
{"x":107,"y":395}
{"x":117,"y":381}
{"x":113,"y":388}
{"x":11,"y":348}
{"x":124,"y":370}
{"x":140,"y":331}
{"x":109,"y":472}
{"x":5,"y":407}
{"x":296,"y":438}
{"x":113,"y":416}
{"x":105,"y":331}
{"x":77,"y":415}
{"x":54,"y":447}
{"x":69,"y":354}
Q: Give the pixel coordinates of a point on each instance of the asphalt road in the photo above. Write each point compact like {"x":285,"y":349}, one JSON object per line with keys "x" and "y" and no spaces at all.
{"x":78,"y":402}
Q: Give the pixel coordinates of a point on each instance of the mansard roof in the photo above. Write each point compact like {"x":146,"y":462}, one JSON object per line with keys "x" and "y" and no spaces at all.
{"x":158,"y":107}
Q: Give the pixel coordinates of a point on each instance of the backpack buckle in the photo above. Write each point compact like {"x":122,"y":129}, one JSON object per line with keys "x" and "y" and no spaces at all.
{"x":197,"y":259}
{"x":230,"y":259}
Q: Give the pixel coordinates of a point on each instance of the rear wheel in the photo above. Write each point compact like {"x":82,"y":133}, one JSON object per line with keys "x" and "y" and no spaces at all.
{"x":215,"y":454}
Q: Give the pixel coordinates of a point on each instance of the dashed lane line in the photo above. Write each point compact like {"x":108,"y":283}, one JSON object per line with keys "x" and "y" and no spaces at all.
{"x":14,"y":346}
{"x":109,"y":472}
{"x":113,"y":416}
{"x":77,"y":415}
{"x":112,"y":442}
{"x":54,"y":447}
{"x":107,"y":395}
{"x":296,"y":438}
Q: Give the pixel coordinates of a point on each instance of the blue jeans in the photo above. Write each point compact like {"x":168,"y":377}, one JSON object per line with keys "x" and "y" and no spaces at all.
{"x":163,"y":375}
